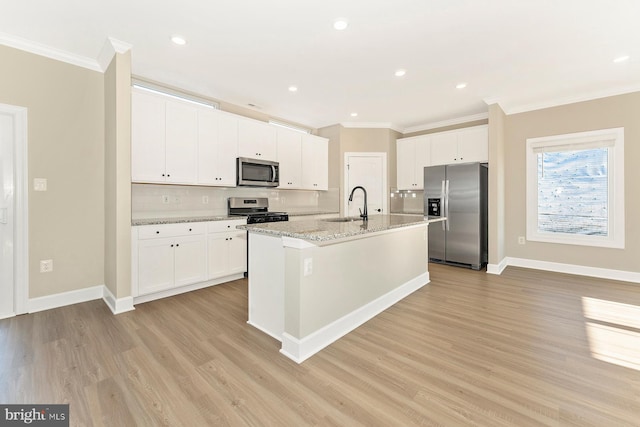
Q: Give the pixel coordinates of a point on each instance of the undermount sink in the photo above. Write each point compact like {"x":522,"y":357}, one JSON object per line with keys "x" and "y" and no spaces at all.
{"x":344,"y":219}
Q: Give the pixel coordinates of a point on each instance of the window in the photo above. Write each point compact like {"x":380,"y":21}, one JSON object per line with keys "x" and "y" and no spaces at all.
{"x":575,"y":188}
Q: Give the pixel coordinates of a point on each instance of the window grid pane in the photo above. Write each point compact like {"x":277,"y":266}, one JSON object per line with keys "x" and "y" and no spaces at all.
{"x":573,"y":192}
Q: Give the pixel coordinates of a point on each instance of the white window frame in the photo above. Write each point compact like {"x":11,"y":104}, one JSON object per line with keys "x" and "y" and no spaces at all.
{"x":613,"y":139}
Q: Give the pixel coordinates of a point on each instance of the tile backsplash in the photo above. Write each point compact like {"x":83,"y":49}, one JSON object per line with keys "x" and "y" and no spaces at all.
{"x":407,"y":201}
{"x":161,"y":201}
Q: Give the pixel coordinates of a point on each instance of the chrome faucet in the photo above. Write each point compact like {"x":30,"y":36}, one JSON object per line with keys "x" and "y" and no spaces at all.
{"x":364,"y":214}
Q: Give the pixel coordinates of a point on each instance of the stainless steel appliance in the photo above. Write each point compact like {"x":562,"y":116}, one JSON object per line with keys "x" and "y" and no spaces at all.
{"x":256,"y":209}
{"x":459,"y":193}
{"x":257,"y":173}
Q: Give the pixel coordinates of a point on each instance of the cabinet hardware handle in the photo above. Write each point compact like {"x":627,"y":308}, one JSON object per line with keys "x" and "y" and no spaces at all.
{"x":177,"y":245}
{"x":171,"y":245}
{"x":189,"y":229}
{"x":162,"y":174}
{"x":157,"y":232}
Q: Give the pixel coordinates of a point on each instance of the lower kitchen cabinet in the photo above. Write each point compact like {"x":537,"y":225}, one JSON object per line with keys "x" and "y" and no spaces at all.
{"x":168,"y":262}
{"x":227,"y":253}
{"x":168,"y":259}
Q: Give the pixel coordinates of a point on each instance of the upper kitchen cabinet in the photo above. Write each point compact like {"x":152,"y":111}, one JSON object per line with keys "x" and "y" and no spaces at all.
{"x":460,"y":146}
{"x":315,"y":162}
{"x":289,"y":145}
{"x":256,"y":140}
{"x":217,"y":148}
{"x":413,"y":155}
{"x":163,"y":140}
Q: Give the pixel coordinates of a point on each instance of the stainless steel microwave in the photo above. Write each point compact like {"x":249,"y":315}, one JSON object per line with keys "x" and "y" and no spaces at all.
{"x":257,"y":173}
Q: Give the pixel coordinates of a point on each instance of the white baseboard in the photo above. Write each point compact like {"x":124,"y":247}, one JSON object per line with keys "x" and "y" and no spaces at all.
{"x":581,"y":270}
{"x":602,"y":273}
{"x":301,"y":349}
{"x":64,"y":298}
{"x":497,"y":268}
{"x":182,"y":289}
{"x":7,"y":315}
{"x":117,"y":305}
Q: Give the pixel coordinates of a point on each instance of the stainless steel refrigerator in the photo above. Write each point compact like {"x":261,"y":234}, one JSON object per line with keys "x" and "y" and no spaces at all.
{"x":459,"y":193}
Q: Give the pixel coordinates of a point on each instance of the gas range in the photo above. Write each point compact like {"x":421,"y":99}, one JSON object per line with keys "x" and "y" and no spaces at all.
{"x":256,"y":209}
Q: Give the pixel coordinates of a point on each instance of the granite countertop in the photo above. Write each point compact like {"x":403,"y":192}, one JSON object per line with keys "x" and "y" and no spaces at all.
{"x":325,"y":230}
{"x":178,"y":220}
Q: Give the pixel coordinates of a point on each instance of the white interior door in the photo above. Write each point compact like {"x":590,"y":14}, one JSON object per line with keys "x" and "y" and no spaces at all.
{"x":368,"y":170}
{"x":14,"y":230}
{"x":7,"y":269}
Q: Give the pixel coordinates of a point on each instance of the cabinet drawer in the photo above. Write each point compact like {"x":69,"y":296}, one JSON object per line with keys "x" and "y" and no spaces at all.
{"x":224,"y":226}
{"x":171,"y":230}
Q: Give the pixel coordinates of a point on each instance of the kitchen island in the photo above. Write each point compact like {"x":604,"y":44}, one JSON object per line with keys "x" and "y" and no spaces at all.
{"x":312,"y":282}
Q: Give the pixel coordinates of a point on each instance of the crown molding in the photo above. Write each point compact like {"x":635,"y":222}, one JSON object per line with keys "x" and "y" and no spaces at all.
{"x":550,"y":103}
{"x":372,"y":125}
{"x":49,"y":52}
{"x":448,"y":122}
{"x":110,"y":48}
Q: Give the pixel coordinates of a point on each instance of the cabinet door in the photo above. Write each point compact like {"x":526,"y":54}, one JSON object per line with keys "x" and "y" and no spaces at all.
{"x":190,"y":260}
{"x":237,"y":250}
{"x":227,"y":150}
{"x":155,"y":265}
{"x":256,"y":140}
{"x":181,"y":143}
{"x":208,"y":129}
{"x":444,"y":148}
{"x":147,"y":137}
{"x":422,"y":159}
{"x":315,"y":163}
{"x":290,"y":158}
{"x":406,"y":164}
{"x":473,"y":145}
{"x":217,"y":255}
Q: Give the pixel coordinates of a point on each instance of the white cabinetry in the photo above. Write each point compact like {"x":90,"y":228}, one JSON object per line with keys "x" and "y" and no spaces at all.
{"x":413,"y":155}
{"x":169,"y":255}
{"x":460,"y":146}
{"x":256,"y":140}
{"x":217,"y":148}
{"x":163,"y":140}
{"x":290,"y":158}
{"x":168,"y":259}
{"x":227,"y":248}
{"x":315,"y":163}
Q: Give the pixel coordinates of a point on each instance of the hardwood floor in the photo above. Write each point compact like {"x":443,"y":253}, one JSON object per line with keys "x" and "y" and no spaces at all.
{"x":526,"y":348}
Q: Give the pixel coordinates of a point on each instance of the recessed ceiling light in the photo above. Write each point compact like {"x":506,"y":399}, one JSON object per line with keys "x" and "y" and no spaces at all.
{"x":354,"y":114}
{"x":179,"y":40}
{"x":461,"y":85}
{"x":340,"y":24}
{"x":400,"y":73}
{"x":621,"y":58}
{"x":293,"y":89}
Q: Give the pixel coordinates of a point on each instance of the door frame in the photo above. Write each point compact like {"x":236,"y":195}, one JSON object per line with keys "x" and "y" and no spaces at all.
{"x":385,"y":189}
{"x":21,"y":208}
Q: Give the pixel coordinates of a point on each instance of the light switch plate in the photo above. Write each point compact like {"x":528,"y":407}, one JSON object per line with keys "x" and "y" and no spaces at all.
{"x":308,"y":266}
{"x":40,"y":184}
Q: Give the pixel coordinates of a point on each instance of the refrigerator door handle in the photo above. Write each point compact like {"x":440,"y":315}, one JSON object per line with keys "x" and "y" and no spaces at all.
{"x":446,"y":203}
{"x":443,"y":196}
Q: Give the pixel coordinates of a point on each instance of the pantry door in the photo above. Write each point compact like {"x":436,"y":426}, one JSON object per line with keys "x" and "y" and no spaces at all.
{"x":368,"y":170}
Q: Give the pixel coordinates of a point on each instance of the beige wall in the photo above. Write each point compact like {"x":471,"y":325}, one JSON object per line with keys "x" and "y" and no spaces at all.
{"x":617,"y":111}
{"x":496,"y":223}
{"x":66,"y":146}
{"x":118,"y":175}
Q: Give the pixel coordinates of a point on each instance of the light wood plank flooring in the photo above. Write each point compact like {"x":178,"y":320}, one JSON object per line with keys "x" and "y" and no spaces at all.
{"x":527,"y":348}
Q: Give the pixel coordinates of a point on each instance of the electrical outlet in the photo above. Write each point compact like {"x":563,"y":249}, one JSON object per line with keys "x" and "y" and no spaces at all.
{"x":521,"y":240}
{"x":46,"y":266}
{"x":165,"y":199}
{"x":308,"y":266}
{"x":40,"y":184}
{"x":205,"y":200}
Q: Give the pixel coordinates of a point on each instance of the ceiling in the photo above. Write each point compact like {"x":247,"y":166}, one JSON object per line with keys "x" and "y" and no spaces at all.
{"x":522,"y":54}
